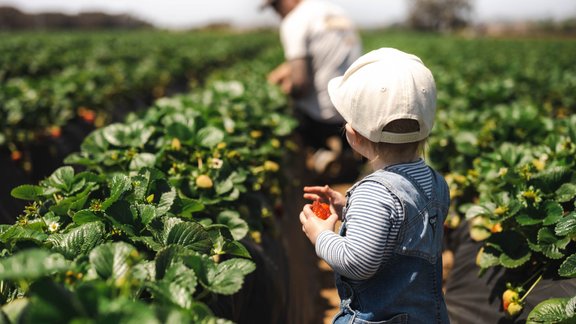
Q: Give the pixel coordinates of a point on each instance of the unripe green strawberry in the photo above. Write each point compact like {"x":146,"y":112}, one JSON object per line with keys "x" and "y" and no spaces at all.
{"x":204,"y":182}
{"x":508,"y":297}
{"x":514,"y":308}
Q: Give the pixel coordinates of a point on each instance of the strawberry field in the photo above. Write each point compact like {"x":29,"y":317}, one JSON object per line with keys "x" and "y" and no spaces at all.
{"x":155,"y":176}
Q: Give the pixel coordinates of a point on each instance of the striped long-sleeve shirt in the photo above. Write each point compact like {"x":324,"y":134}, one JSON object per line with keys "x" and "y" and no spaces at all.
{"x":371,"y":226}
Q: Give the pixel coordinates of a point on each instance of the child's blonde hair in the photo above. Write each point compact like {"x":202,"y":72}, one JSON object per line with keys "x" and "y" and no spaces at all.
{"x":400,"y":126}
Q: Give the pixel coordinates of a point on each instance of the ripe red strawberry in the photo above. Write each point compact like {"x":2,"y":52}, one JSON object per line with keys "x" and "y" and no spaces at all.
{"x":16,"y":155}
{"x":320,"y":209}
{"x":87,"y":114}
{"x":55,"y":131}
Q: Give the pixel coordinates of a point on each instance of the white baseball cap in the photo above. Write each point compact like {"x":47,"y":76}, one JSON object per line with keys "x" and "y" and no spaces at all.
{"x":385,"y":85}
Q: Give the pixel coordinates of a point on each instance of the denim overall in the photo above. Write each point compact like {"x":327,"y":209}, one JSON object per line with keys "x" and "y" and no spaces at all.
{"x":408,"y":287}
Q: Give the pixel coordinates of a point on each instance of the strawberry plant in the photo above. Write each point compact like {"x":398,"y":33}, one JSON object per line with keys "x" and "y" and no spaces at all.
{"x":527,"y":209}
{"x":124,"y":240}
{"x":208,"y":151}
{"x":152,"y":228}
{"x":91,"y":77}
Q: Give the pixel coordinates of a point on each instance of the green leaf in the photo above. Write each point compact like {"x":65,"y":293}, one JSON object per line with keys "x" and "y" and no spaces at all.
{"x":515,"y":260}
{"x":95,"y":144}
{"x":236,"y":248}
{"x":571,"y":307}
{"x":550,"y":243}
{"x":169,"y":223}
{"x":190,"y":206}
{"x":515,"y":250}
{"x":78,"y":241}
{"x":232,"y":219}
{"x":190,"y":235}
{"x":202,"y":265}
{"x":118,"y":185}
{"x":166,"y":257}
{"x":202,"y":314}
{"x":13,"y":310}
{"x":477,"y":210}
{"x":142,"y":160}
{"x":177,"y":286}
{"x":27,"y":192}
{"x":554,"y":212}
{"x":285,"y":126}
{"x":219,"y":234}
{"x":112,"y":260}
{"x":210,"y":136}
{"x":488,"y":257}
{"x":530,"y":216}
{"x":18,"y":233}
{"x":126,"y":310}
{"x":566,"y":192}
{"x":180,"y":131}
{"x":32,"y":264}
{"x":566,"y":226}
{"x":61,"y":179}
{"x":143,"y":182}
{"x":52,"y":303}
{"x":148,"y":241}
{"x":166,"y":201}
{"x":147,"y":213}
{"x":85,"y":216}
{"x":68,"y":205}
{"x":93,"y":294}
{"x":552,"y":310}
{"x":568,"y":267}
{"x":509,"y":153}
{"x":223,"y":187}
{"x":135,"y":134}
{"x":232,"y":195}
{"x":551,"y":179}
{"x":227,"y":277}
{"x":122,"y":215}
{"x":467,"y":143}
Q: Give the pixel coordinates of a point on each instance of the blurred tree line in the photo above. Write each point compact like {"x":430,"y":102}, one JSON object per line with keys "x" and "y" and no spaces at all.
{"x":14,"y":19}
{"x":455,"y":15}
{"x":423,"y":15}
{"x":439,"y":15}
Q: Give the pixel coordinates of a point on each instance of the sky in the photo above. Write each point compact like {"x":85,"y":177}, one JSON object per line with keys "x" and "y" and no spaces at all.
{"x":182,"y":14}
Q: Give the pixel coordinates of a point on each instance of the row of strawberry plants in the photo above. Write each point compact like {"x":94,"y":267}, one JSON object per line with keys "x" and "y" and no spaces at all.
{"x":154,"y":226}
{"x":89,"y":77}
{"x":505,"y":139}
{"x":525,"y":216}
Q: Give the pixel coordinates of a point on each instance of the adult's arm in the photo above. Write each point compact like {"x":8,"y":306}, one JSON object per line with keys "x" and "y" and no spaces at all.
{"x":300,"y":78}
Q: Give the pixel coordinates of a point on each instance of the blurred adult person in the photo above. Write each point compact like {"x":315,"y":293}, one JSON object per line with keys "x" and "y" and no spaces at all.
{"x":320,"y":42}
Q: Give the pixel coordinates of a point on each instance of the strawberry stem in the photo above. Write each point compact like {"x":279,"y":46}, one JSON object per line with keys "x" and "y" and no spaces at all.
{"x":531,"y":287}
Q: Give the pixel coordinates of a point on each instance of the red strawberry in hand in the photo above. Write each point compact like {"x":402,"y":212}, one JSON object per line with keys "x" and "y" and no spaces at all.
{"x":321,"y":210}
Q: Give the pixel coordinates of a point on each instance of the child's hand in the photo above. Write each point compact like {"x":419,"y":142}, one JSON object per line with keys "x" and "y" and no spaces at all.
{"x":328,"y":195}
{"x":312,"y":226}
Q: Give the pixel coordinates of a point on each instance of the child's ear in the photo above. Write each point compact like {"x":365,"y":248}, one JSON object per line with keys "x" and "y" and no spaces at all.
{"x":351,"y":134}
{"x":354,"y":136}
